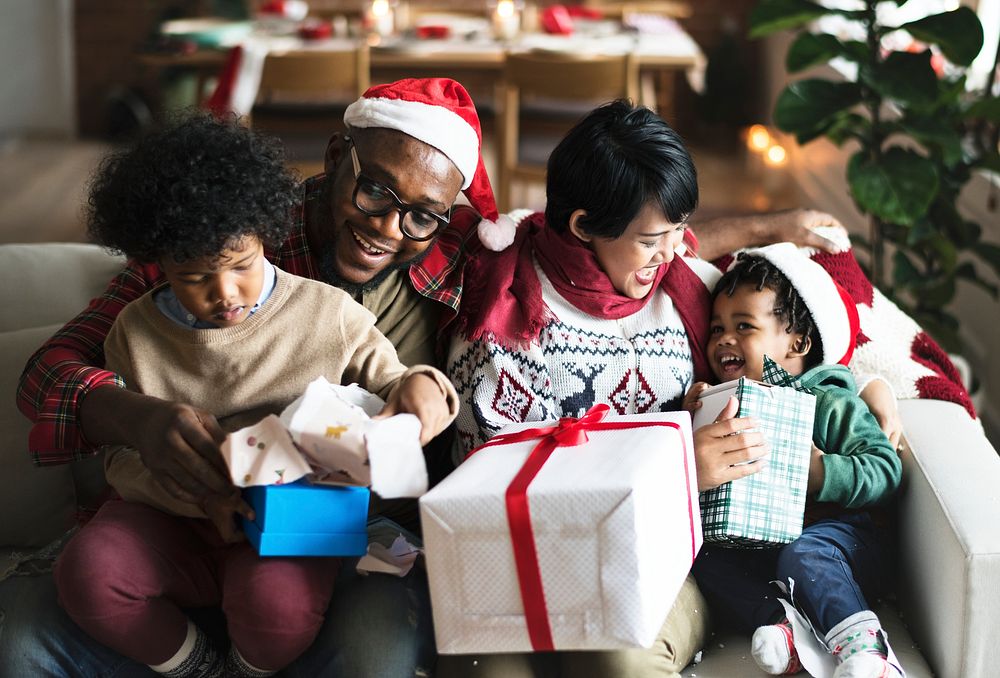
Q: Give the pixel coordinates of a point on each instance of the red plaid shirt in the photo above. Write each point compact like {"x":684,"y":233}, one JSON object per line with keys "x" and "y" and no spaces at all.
{"x":62,"y":372}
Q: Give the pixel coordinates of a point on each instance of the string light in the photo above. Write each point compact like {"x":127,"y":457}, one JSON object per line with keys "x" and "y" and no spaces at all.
{"x":758,"y":138}
{"x":776,"y":156}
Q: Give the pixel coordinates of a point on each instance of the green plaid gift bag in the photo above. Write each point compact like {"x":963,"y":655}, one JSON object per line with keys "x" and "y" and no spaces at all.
{"x":764,"y":509}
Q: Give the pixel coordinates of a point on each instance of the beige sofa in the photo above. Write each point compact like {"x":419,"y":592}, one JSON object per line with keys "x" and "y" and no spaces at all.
{"x":949,"y":595}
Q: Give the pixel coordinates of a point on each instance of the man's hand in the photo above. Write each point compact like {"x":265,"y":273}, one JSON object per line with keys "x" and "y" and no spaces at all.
{"x":724,"y":235}
{"x":222,"y":510}
{"x":797,"y":226}
{"x":420,"y":395}
{"x":178,"y":443}
{"x":726,"y":451}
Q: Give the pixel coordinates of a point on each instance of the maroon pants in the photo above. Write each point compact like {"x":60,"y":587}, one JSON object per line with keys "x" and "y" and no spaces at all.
{"x":126,"y":575}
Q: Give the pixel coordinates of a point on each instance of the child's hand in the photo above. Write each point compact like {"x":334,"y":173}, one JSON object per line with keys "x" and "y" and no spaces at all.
{"x":222,"y":510}
{"x":817,"y":472}
{"x":420,"y":395}
{"x":725,"y":450}
{"x":691,"y":402}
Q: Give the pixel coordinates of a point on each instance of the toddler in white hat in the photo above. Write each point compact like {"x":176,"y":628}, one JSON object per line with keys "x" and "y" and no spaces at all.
{"x":778,"y":313}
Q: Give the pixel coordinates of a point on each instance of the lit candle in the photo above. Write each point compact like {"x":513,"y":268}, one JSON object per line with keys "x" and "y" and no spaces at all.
{"x":381,"y":17}
{"x":506,"y":20}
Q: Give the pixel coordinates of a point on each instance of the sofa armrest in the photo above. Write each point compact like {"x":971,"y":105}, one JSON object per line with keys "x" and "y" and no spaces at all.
{"x":950,"y":538}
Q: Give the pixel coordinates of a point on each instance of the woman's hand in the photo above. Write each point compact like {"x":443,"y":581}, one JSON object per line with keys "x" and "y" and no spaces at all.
{"x":419,"y":394}
{"x":726,"y":451}
{"x":222,"y":510}
{"x":178,"y":443}
{"x":882,"y":404}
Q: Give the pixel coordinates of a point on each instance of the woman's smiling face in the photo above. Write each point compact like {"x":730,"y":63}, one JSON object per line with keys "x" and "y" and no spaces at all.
{"x":632,"y":260}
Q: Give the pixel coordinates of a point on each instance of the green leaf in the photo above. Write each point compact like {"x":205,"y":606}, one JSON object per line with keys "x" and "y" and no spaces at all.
{"x":771,"y":16}
{"x":947,"y":255}
{"x":810,"y":49}
{"x":904,"y":273}
{"x":905,"y":77}
{"x":968,"y":272}
{"x":987,"y":108}
{"x":855,"y":50}
{"x":938,"y":294}
{"x":844,"y":127}
{"x":899,"y":188}
{"x":990,"y":162}
{"x":808,"y":105}
{"x":936,"y":135}
{"x":990,"y":254}
{"x":922,"y":230}
{"x":958,"y":33}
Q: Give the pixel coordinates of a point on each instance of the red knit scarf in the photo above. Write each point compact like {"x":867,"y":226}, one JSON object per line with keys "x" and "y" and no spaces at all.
{"x":502,"y":299}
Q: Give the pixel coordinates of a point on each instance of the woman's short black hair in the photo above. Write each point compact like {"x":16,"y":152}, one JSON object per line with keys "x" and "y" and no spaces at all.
{"x":612,"y":163}
{"x":190,"y":190}
{"x":760,"y":273}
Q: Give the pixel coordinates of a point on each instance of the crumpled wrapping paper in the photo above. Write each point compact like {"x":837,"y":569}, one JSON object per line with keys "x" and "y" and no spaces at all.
{"x":328,"y":434}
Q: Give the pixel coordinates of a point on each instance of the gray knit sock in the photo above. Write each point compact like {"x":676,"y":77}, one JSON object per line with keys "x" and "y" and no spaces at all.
{"x":196,"y":658}
{"x":856,"y":641}
{"x":238,"y":667}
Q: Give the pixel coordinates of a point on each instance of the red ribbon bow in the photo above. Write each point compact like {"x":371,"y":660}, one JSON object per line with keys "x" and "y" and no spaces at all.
{"x":567,"y":432}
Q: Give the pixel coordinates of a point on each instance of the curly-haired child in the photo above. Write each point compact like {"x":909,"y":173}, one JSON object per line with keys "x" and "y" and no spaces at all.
{"x":234,"y":338}
{"x":776,"y":302}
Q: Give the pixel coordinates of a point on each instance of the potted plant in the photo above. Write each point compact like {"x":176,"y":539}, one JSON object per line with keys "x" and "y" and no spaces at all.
{"x":917,"y":134}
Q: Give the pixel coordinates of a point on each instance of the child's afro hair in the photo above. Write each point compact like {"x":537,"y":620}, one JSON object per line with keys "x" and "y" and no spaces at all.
{"x":191,"y":189}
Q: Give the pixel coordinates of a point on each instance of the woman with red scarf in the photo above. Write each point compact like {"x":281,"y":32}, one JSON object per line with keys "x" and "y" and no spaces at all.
{"x":591,"y":304}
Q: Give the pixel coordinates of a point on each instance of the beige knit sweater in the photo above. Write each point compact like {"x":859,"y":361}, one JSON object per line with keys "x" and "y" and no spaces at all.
{"x":242,"y":373}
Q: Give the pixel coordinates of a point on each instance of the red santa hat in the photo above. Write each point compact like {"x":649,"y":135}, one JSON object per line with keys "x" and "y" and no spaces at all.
{"x":829,"y":304}
{"x":440,"y":113}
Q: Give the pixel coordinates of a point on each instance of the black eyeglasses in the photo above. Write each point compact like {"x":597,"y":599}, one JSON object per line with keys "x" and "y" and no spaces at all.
{"x":377,"y":200}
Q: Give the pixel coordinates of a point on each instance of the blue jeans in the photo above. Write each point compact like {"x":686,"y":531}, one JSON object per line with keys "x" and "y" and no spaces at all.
{"x":377,"y":626}
{"x":838,"y":564}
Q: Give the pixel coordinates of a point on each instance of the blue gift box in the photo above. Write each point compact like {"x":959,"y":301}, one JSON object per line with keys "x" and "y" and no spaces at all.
{"x":302,"y":519}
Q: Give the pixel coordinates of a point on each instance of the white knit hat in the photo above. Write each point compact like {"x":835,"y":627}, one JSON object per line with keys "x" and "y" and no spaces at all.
{"x":831,"y":307}
{"x":440,"y":113}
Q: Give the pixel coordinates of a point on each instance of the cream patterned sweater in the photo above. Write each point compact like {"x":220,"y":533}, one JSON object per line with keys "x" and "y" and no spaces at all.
{"x":641,"y":363}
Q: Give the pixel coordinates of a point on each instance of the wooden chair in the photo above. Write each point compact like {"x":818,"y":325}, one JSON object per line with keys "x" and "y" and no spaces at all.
{"x":677,"y":9}
{"x":313,"y":78}
{"x":569,"y":82}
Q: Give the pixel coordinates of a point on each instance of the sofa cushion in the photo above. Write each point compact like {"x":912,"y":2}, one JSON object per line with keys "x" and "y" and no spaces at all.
{"x":45,"y":286}
{"x":37,"y":503}
{"x":50,"y":283}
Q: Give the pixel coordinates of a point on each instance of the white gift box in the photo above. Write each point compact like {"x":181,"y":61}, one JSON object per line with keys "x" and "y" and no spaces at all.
{"x":615,"y":525}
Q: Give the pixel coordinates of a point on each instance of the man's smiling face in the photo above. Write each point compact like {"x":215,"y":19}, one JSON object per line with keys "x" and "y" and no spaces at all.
{"x":357,"y":249}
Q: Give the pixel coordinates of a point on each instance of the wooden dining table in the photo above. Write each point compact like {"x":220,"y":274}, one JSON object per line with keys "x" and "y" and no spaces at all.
{"x":477,"y":59}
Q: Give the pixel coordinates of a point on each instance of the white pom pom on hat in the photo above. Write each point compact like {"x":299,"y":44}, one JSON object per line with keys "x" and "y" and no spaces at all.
{"x":831,"y":307}
{"x":440,"y":113}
